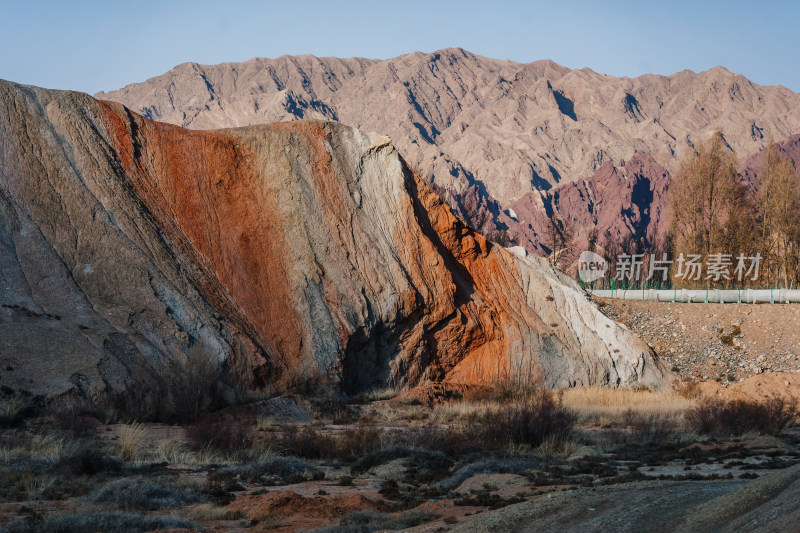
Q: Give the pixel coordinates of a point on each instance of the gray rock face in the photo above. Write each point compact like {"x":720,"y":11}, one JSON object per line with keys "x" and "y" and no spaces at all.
{"x":91,"y":291}
{"x":284,"y":251}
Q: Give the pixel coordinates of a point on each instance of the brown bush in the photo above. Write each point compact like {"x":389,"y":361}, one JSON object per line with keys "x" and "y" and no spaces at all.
{"x":539,"y":416}
{"x":313,"y":444}
{"x":306,"y":442}
{"x":171,"y":389}
{"x":690,"y":389}
{"x":729,"y":418}
{"x":226,"y":434}
{"x":648,"y":429}
{"x":75,"y":426}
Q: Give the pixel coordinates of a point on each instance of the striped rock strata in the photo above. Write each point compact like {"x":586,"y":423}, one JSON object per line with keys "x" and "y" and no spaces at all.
{"x":289,"y":249}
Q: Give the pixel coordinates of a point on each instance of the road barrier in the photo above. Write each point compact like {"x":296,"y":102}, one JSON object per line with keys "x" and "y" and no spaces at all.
{"x":707,"y":295}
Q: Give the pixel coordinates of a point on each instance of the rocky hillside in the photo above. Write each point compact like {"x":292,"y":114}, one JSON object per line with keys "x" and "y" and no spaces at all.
{"x":290,"y":250}
{"x":489,"y":132}
{"x":619,"y":200}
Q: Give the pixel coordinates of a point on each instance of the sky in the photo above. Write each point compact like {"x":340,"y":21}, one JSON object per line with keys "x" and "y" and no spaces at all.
{"x":92,"y":46}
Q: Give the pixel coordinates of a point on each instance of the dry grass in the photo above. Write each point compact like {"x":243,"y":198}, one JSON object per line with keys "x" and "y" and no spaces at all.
{"x":173,"y":451}
{"x":40,"y":447}
{"x":461,"y":410}
{"x":12,"y":409}
{"x":35,"y":487}
{"x":387,"y":393}
{"x":556,"y":448}
{"x":607,"y":407}
{"x":131,"y":441}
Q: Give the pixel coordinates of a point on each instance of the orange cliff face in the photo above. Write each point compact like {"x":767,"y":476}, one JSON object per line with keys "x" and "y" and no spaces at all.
{"x":295,"y":249}
{"x":209,"y":200}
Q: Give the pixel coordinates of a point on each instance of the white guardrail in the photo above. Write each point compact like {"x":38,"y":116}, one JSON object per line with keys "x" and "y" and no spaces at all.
{"x":744,"y":296}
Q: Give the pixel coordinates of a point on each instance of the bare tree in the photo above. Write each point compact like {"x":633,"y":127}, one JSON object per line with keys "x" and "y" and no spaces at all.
{"x":703,"y":192}
{"x":559,"y":240}
{"x":778,"y":200}
{"x":712,"y":210}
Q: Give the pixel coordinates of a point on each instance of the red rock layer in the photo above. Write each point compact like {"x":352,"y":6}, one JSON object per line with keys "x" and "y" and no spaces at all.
{"x":296,"y":249}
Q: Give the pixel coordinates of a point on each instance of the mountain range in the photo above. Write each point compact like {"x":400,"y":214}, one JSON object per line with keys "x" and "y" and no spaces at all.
{"x":507,"y":144}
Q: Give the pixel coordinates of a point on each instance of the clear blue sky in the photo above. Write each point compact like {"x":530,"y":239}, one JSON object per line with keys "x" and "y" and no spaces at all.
{"x":92,"y":46}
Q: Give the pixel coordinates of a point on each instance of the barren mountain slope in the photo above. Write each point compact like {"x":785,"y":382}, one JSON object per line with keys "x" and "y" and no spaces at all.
{"x":296,"y":248}
{"x":460,"y":117}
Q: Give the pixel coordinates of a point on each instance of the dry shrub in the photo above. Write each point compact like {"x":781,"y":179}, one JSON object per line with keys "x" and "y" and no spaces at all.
{"x":91,"y":521}
{"x":312,"y":444}
{"x":690,"y":389}
{"x":223,"y":433}
{"x":87,"y":460}
{"x":142,"y":495}
{"x":477,"y":394}
{"x":172,"y":451}
{"x":75,"y":425}
{"x":648,"y":428}
{"x":172,"y":389}
{"x":306,"y":442}
{"x":539,"y":415}
{"x":737,"y":417}
{"x":211,"y":511}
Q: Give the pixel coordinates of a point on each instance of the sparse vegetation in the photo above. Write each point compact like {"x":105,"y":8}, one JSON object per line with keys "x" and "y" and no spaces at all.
{"x":82,"y":523}
{"x":131,"y":439}
{"x":428,"y":451}
{"x":737,"y":417}
{"x":606,"y":407}
{"x":12,"y":409}
{"x":539,"y":415}
{"x":727,"y":338}
{"x":225,"y":433}
{"x":138,"y":494}
{"x":368,"y":521}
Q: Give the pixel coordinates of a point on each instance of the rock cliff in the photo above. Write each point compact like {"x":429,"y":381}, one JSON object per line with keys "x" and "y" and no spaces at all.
{"x":289,"y":250}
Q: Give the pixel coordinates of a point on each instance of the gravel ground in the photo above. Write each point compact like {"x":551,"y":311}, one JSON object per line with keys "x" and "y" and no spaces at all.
{"x":726,"y":343}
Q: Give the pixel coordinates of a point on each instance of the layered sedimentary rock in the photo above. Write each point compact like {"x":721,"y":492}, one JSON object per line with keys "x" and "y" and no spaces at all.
{"x":290,"y":249}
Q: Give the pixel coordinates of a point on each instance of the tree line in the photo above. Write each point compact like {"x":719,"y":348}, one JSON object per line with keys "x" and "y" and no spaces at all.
{"x":715,"y":214}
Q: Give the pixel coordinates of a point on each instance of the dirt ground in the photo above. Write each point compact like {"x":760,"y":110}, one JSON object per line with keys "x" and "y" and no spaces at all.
{"x":632,"y":461}
{"x":628,"y":474}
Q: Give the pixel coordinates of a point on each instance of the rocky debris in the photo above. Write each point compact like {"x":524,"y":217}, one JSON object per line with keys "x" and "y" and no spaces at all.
{"x":756,"y":388}
{"x":287,"y":251}
{"x":725,"y":343}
